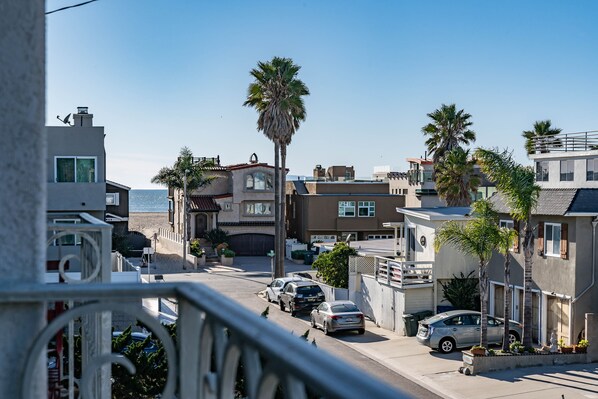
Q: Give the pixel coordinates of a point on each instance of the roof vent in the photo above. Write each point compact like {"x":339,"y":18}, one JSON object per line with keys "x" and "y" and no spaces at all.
{"x":82,"y":110}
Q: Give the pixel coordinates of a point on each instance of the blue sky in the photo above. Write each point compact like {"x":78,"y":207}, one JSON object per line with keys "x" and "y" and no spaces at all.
{"x":162,"y":74}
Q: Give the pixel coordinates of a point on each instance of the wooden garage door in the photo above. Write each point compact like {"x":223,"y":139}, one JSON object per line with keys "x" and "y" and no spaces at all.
{"x":251,"y":244}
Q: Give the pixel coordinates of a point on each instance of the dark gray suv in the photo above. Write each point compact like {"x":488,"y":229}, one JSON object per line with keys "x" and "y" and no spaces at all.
{"x":299,"y":296}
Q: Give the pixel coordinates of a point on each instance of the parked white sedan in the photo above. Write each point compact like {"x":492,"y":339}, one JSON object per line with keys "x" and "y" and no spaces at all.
{"x":338,"y":315}
{"x":274,"y":289}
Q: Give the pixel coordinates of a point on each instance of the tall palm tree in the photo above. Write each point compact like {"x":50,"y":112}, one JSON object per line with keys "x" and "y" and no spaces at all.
{"x":175,"y":176}
{"x":478,"y":237}
{"x":516,"y":183}
{"x":506,"y":238}
{"x":449,"y":129}
{"x":277,"y":95}
{"x":455,"y":178}
{"x":541,"y":137}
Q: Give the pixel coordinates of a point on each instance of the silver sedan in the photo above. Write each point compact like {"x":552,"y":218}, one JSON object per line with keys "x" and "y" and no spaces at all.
{"x":336,"y":316}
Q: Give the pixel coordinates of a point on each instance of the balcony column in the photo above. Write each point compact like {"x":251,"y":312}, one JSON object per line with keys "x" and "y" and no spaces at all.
{"x":23,"y":182}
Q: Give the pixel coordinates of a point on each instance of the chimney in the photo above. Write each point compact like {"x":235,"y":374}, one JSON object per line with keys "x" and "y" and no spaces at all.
{"x":83,"y":118}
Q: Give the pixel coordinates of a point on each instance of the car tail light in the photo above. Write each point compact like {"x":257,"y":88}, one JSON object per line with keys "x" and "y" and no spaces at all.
{"x":334,"y":317}
{"x":359,"y":316}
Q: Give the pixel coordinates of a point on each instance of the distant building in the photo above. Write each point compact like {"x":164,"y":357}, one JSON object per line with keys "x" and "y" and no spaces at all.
{"x":117,"y":207}
{"x":240,"y":201}
{"x":334,"y":173}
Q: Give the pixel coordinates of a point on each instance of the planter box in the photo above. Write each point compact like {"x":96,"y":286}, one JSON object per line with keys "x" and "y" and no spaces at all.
{"x":200,"y":260}
{"x":481,"y":364}
{"x":580,"y":349}
{"x":226,"y":261}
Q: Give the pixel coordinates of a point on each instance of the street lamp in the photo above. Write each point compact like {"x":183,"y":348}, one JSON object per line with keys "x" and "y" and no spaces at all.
{"x":185,"y":220}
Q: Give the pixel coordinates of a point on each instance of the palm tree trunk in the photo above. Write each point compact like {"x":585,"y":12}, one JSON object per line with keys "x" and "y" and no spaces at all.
{"x":528,"y":249}
{"x":283,"y":202}
{"x":507,"y":303}
{"x":277,"y":236}
{"x":483,"y":304}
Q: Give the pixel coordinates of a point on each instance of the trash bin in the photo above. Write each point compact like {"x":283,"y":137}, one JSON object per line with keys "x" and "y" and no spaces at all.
{"x":422,"y":315}
{"x":411,"y":325}
{"x":308,"y":258}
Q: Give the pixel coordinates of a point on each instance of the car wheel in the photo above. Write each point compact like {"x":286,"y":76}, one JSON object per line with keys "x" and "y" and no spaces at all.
{"x":281,"y":305}
{"x":292,"y":309}
{"x":268,"y":297}
{"x":313,"y":322}
{"x":446,"y":345}
{"x":361,"y":331}
{"x":325,"y":328}
{"x":513,"y":336}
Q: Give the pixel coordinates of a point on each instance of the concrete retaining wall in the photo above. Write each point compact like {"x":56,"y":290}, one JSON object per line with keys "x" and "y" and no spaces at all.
{"x":483,"y":364}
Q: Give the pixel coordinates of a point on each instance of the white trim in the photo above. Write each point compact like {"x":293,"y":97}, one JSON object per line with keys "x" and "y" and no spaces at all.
{"x":116,"y":199}
{"x":580,"y":214}
{"x":368,"y":207}
{"x":552,"y":255}
{"x":118,"y":185}
{"x":427,"y":215}
{"x":110,"y":217}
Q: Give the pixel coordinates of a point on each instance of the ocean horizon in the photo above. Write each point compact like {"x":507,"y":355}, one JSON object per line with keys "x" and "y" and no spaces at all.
{"x":148,"y":201}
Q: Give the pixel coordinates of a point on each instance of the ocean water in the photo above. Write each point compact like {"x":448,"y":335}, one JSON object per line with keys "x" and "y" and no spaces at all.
{"x":148,"y":201}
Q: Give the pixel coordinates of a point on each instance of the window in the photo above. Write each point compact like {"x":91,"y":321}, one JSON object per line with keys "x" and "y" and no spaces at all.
{"x":346,"y":208}
{"x":70,"y":239}
{"x":228,"y":206}
{"x":380,"y":236}
{"x":366,"y":208}
{"x":75,"y":169}
{"x":592,"y":169}
{"x":351,"y":235}
{"x":552,"y":239}
{"x":258,"y":181}
{"x":258,"y":208}
{"x":112,"y":199}
{"x":567,"y":170}
{"x":542,"y":171}
{"x":506,"y":223}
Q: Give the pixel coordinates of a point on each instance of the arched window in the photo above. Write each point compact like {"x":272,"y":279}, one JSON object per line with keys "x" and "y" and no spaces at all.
{"x":258,"y":181}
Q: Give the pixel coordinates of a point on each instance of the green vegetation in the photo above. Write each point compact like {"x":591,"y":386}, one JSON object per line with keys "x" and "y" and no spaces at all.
{"x":217,"y":237}
{"x":333,"y":266}
{"x":299,"y":254}
{"x":455,"y":179}
{"x":277,"y":95}
{"x":462,"y":292}
{"x":478,"y":237}
{"x":195,"y":248}
{"x":541,"y":137}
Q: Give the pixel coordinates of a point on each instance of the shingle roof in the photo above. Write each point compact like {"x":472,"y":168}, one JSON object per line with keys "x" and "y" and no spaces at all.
{"x":551,"y":201}
{"x":203,"y":203}
{"x":586,"y":201}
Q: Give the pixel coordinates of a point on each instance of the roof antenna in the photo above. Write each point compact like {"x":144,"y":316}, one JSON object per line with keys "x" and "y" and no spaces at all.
{"x":65,"y":120}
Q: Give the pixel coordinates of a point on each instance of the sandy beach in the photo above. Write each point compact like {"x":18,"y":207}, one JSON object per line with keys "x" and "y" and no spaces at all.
{"x":148,"y":223}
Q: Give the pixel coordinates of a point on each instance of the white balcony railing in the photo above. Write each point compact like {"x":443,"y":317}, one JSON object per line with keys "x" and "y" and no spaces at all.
{"x":215,"y":338}
{"x":403,"y":274}
{"x":566,"y":142}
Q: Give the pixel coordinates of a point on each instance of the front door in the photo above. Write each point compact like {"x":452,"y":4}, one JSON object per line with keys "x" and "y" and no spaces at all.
{"x":557,"y":319}
{"x":201,"y":225}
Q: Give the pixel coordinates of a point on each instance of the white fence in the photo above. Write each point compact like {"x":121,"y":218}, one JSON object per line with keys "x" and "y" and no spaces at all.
{"x":174,"y":242}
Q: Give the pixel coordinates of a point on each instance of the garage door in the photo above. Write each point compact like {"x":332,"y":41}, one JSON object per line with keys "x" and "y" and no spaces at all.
{"x":252,"y":244}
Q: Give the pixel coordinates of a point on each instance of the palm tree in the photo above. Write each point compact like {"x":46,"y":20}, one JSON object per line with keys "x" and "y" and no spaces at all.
{"x":448,"y":130}
{"x":478,"y":237}
{"x":506,"y":238}
{"x":516,"y":183}
{"x":175,"y":176}
{"x":541,"y":137}
{"x":455,"y":179}
{"x":277,"y":95}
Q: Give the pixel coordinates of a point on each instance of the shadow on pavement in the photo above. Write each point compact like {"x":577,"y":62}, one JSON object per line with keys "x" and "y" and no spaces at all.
{"x":456,"y":355}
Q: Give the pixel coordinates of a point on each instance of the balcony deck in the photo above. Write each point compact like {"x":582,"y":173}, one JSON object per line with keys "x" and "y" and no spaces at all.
{"x":403,"y":274}
{"x":566,"y":142}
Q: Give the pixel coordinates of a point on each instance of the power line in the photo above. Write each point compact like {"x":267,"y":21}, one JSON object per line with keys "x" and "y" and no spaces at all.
{"x":73,"y":6}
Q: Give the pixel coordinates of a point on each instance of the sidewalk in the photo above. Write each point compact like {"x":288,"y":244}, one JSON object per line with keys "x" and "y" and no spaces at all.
{"x":438,"y":373}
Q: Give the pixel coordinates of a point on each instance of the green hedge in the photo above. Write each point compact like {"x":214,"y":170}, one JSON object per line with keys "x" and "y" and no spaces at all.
{"x":298,"y":254}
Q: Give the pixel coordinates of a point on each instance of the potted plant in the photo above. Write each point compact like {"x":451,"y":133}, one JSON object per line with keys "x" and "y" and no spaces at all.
{"x":565,"y":348}
{"x":478,"y":350}
{"x":199,"y":253}
{"x":582,"y":346}
{"x":226,"y":257}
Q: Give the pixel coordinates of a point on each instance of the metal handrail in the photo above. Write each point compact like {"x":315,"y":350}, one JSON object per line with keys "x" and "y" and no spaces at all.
{"x":566,"y":142}
{"x":296,"y":364}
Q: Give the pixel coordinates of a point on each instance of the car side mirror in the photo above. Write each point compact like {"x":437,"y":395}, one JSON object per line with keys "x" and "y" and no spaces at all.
{"x":318,"y":310}
{"x":269,"y":285}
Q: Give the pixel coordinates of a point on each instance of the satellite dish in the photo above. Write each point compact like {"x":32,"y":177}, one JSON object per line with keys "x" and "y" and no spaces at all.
{"x":65,"y":120}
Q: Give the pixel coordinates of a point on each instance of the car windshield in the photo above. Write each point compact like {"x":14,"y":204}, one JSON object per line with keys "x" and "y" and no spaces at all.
{"x":309,"y":290}
{"x":345,"y":307}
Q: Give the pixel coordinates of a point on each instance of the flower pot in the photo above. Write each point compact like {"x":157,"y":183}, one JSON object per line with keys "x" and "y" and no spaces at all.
{"x":566,"y":349}
{"x":478,"y":352}
{"x":201,"y":260}
{"x":580,"y":349}
{"x":226,"y":261}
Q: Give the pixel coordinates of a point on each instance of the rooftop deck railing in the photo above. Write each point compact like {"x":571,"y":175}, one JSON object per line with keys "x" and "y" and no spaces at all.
{"x":403,"y":274}
{"x":566,"y":142}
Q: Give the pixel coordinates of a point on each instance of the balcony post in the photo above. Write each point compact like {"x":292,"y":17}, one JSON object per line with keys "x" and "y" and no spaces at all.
{"x":23,"y":182}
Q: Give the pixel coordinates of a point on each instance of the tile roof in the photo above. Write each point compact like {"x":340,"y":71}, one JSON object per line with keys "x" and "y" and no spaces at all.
{"x":203,"y":203}
{"x":551,"y":201}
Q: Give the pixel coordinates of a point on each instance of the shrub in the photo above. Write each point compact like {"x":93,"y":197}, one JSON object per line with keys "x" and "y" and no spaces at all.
{"x":516,"y":347}
{"x":221,"y":247}
{"x":462,"y":292}
{"x":298,"y":254}
{"x":227,"y":253}
{"x":195,"y":248}
{"x":333,"y":266}
{"x":217,"y":237}
{"x":584,"y":343}
{"x":491,"y":352}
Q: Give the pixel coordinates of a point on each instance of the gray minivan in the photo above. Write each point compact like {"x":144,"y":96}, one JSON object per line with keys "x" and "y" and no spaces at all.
{"x":461,"y":328}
